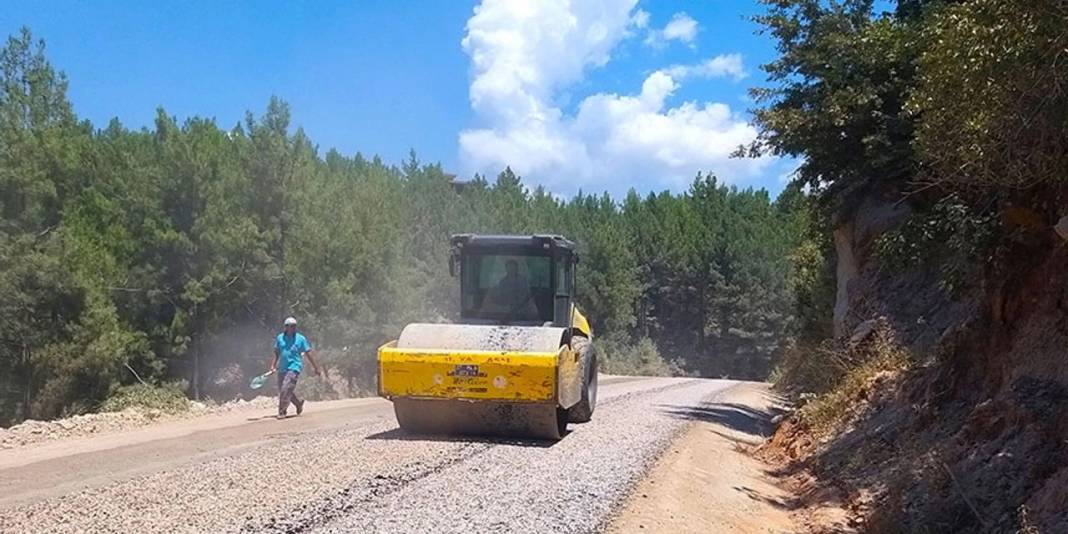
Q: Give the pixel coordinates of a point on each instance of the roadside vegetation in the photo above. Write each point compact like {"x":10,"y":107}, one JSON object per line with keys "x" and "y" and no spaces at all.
{"x":640,"y":358}
{"x":875,"y":104}
{"x":934,"y":143}
{"x":957,"y":110}
{"x":167,"y":398}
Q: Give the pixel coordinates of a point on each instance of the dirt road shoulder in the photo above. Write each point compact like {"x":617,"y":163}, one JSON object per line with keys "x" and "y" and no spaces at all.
{"x":706,"y":481}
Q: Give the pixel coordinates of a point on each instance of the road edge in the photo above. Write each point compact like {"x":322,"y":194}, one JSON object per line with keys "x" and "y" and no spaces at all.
{"x":671,"y":476}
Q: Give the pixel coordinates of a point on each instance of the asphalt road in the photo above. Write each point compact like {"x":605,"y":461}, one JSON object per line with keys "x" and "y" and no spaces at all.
{"x":343,"y":466}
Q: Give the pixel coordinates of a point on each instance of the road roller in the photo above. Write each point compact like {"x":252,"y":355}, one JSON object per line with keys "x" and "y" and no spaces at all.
{"x":517,"y":362}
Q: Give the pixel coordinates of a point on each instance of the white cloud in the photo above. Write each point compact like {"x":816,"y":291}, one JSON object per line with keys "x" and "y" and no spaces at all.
{"x":640,"y":19}
{"x":523,"y":54}
{"x":681,"y":27}
{"x":720,"y":66}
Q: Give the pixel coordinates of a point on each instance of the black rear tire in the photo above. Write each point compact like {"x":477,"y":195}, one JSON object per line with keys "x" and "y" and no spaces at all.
{"x":582,"y":412}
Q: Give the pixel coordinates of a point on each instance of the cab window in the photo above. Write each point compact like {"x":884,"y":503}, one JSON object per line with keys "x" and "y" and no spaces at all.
{"x":508,"y":288}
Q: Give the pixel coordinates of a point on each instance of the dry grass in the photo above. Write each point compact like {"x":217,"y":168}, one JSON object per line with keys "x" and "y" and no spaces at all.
{"x":1026,"y":526}
{"x":877,"y":358}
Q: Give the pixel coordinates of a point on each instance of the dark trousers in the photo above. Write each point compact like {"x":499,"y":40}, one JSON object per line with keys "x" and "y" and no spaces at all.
{"x":287,"y":390}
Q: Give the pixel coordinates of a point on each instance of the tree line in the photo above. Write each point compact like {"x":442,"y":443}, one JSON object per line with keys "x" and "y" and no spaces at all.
{"x":955,"y":110}
{"x":172,"y":252}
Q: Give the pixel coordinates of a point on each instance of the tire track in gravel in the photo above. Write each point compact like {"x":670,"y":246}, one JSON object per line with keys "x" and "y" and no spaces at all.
{"x":359,"y":492}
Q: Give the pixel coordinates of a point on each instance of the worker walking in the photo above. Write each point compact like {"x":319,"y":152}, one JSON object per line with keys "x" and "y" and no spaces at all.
{"x":290,"y":349}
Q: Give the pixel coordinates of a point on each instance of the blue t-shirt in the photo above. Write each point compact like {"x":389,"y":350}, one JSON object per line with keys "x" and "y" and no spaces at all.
{"x":289,"y":349}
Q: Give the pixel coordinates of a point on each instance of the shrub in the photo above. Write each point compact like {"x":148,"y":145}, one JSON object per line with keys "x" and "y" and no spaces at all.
{"x":809,"y":368}
{"x":317,"y":388}
{"x":169,"y":398}
{"x":619,"y":357}
{"x":952,"y":237}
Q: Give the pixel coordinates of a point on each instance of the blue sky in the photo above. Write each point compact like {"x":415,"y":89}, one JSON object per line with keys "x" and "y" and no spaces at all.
{"x":599,"y":95}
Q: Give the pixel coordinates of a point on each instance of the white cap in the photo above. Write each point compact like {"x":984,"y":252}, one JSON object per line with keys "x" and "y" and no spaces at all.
{"x":290,"y":321}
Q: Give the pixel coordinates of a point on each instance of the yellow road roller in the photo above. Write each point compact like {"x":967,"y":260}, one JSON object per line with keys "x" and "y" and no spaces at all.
{"x":516,"y":364}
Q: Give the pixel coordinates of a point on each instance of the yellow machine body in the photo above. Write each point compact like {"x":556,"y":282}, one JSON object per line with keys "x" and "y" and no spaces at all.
{"x":447,"y":361}
{"x":470,"y":374}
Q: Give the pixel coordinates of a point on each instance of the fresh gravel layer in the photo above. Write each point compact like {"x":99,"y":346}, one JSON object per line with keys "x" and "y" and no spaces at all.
{"x":359,"y":495}
{"x":571,"y":486}
{"x":372,"y":478}
{"x":225,"y":493}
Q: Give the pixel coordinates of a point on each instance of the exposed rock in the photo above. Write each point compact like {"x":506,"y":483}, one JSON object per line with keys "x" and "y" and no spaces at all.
{"x":853,"y":238}
{"x":1062,"y":227}
{"x":973,"y":438}
{"x":846,"y":273}
{"x":863,"y":331}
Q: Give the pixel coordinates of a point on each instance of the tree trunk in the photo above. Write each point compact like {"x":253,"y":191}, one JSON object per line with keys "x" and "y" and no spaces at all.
{"x":643,"y":311}
{"x":702,"y":319}
{"x":28,"y":394}
{"x":284,"y":311}
{"x":196,"y":374}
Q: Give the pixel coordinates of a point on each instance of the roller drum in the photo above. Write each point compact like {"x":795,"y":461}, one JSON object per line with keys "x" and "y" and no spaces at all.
{"x":484,"y":418}
{"x":449,"y":417}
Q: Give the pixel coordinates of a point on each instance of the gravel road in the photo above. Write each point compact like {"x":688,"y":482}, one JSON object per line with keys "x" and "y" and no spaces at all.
{"x":349,"y":469}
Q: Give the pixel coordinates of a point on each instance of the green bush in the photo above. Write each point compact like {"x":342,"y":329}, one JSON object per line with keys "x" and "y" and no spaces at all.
{"x":169,"y":398}
{"x":316,"y":388}
{"x":951,"y":237}
{"x":617,"y":356}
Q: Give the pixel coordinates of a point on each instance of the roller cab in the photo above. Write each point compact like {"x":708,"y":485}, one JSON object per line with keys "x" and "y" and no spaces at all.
{"x":516,"y":364}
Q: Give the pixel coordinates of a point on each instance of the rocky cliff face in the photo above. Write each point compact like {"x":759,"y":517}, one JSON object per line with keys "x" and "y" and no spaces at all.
{"x":853,"y":240}
{"x":975,"y":437}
